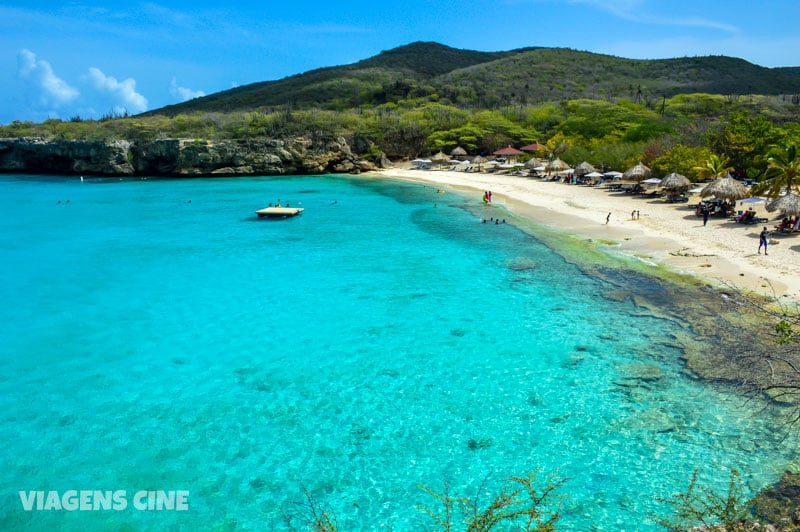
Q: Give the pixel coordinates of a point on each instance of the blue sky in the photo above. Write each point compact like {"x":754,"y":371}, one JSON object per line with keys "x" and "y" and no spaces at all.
{"x":67,"y":59}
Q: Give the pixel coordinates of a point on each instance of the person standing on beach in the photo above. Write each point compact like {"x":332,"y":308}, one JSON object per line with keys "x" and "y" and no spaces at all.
{"x":608,"y":218}
{"x":762,"y":241}
{"x":705,"y":214}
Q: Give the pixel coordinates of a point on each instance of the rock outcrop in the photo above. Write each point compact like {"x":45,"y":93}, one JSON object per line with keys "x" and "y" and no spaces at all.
{"x":181,"y":157}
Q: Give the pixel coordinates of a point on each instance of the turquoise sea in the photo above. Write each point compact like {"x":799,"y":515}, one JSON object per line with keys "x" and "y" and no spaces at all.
{"x":156,"y":335}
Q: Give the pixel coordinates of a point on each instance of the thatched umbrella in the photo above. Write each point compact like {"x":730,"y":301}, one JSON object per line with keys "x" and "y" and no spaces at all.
{"x":479,"y":160}
{"x":676,"y":181}
{"x":637,"y":173}
{"x":584,"y":168}
{"x":788,"y":204}
{"x":534,"y":162}
{"x":725,"y":188}
{"x":440,"y":158}
{"x":556,"y":165}
{"x":458,"y":152}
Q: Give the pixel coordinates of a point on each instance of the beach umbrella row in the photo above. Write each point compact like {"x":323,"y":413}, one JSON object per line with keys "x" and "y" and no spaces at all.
{"x":725,"y":188}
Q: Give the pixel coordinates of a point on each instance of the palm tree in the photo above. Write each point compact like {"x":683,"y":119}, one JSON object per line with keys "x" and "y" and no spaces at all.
{"x":714,"y":167}
{"x":783,"y":173}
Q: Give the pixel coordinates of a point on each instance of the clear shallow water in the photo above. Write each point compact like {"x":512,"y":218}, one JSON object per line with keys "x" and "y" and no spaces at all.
{"x":156,"y":335}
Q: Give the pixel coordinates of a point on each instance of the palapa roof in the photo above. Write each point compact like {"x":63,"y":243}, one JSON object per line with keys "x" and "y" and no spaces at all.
{"x":584,"y":168}
{"x":556,"y":165}
{"x":440,"y":157}
{"x":509,"y":150}
{"x":788,"y":204}
{"x":726,"y":188}
{"x":637,"y":172}
{"x":458,"y":151}
{"x":676,"y":181}
{"x":534,"y":162}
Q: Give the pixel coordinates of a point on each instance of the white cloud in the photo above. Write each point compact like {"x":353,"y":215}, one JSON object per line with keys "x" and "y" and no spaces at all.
{"x":182,"y":93}
{"x":122,"y":94}
{"x":47,"y":89}
{"x":636,"y":11}
{"x":642,"y":11}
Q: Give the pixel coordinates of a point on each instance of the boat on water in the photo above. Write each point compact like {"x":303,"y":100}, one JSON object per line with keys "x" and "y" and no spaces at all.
{"x":279,"y":212}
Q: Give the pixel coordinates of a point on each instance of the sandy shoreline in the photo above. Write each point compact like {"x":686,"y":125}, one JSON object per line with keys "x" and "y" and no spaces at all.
{"x":667,"y":234}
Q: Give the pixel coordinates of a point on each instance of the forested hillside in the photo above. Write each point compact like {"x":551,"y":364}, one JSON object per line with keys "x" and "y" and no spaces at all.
{"x":469,"y":79}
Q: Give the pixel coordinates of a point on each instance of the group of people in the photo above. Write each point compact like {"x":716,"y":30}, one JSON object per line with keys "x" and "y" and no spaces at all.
{"x":789,"y":225}
{"x":746,"y":217}
{"x":704,"y":209}
{"x":573,"y":179}
{"x":713,"y":208}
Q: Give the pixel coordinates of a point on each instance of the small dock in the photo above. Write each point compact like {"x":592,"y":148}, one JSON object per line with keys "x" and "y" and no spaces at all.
{"x":279,"y":212}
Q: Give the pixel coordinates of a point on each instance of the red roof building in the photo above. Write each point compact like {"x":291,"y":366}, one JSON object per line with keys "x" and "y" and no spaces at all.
{"x":532,"y":147}
{"x":510,"y":150}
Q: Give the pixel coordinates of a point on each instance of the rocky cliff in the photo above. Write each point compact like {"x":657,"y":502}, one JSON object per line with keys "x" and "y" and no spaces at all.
{"x":181,"y":157}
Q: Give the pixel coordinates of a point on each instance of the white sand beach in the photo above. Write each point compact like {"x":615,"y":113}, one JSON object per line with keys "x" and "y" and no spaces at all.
{"x":666,"y":233}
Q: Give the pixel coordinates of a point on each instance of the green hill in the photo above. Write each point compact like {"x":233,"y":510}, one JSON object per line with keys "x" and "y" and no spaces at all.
{"x":343,"y":86}
{"x":424,"y":71}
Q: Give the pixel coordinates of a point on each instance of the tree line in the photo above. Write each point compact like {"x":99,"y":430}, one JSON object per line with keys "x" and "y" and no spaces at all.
{"x":677,"y":135}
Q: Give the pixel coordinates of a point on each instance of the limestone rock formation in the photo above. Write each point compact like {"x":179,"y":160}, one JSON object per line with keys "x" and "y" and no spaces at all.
{"x":75,"y":157}
{"x":181,"y":157}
